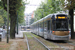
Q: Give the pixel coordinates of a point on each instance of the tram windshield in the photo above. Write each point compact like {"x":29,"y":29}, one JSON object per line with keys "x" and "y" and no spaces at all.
{"x":61,"y":24}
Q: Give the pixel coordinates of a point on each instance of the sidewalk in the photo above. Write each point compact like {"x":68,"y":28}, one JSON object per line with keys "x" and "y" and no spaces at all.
{"x":18,"y":43}
{"x":19,"y":35}
{"x":14,"y":44}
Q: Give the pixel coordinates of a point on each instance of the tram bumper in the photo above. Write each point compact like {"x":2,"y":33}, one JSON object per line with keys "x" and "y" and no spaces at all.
{"x":55,"y":37}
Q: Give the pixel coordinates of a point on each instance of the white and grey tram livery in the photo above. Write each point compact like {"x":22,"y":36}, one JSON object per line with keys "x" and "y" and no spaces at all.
{"x":53,"y":26}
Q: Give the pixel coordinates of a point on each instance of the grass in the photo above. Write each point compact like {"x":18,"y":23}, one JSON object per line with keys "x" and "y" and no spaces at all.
{"x":34,"y":44}
{"x":26,"y":33}
{"x":29,"y":35}
{"x":47,"y":43}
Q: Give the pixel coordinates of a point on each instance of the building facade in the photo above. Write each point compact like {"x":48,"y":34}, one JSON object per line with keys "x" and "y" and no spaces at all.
{"x":28,"y":18}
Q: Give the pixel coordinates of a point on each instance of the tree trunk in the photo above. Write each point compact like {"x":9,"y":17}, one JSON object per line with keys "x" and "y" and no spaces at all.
{"x":72,"y":22}
{"x":13,"y":18}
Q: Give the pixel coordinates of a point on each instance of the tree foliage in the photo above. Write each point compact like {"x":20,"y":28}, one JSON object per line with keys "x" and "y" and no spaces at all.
{"x":1,"y":21}
{"x":19,"y":7}
{"x":16,"y":9}
{"x":32,"y":20}
{"x":70,"y":5}
{"x":20,"y":14}
{"x":51,"y":6}
{"x":3,"y":13}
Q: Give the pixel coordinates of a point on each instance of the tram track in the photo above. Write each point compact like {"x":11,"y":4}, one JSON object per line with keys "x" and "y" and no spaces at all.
{"x":63,"y":46}
{"x":40,"y":42}
{"x":27,"y":42}
{"x":70,"y":42}
{"x":50,"y":45}
{"x":33,"y":44}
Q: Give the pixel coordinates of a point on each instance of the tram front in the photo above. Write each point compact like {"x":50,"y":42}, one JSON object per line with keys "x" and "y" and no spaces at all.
{"x":60,"y":27}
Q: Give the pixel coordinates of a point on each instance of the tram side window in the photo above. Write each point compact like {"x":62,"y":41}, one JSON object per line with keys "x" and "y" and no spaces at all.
{"x":37,"y":27}
{"x":41,"y":27}
{"x":45,"y":26}
{"x":34,"y":27}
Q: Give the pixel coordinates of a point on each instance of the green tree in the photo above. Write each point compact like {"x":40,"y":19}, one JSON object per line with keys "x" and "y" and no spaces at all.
{"x":32,"y":20}
{"x":14,"y":6}
{"x":70,"y":5}
{"x":3,"y":13}
{"x":49,"y":7}
{"x":20,"y":14}
{"x":1,"y":21}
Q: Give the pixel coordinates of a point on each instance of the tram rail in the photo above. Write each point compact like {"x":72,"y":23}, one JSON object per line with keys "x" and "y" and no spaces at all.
{"x":36,"y":40}
{"x":40,"y":42}
{"x":27,"y":42}
{"x":62,"y":46}
{"x":65,"y":46}
{"x":71,"y":43}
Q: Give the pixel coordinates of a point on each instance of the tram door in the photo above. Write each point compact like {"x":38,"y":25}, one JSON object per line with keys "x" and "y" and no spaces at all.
{"x":48,"y":27}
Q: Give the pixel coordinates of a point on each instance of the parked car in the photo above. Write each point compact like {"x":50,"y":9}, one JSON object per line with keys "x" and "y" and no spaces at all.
{"x":69,"y":32}
{"x":1,"y":31}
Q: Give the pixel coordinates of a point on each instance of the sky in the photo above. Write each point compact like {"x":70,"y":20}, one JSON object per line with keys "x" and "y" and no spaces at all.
{"x":33,"y":4}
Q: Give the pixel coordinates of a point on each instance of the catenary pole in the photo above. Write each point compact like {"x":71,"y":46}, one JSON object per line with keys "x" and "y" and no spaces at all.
{"x":7,"y":21}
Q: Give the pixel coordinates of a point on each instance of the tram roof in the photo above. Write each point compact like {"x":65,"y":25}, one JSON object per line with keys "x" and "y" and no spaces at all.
{"x":60,"y":14}
{"x":48,"y":16}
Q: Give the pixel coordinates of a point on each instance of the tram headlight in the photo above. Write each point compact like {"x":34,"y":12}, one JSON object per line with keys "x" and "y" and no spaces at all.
{"x":68,"y":31}
{"x":53,"y":32}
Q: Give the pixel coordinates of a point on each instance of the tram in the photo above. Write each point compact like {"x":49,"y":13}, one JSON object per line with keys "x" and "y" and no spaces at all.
{"x":25,"y":28}
{"x":53,"y":26}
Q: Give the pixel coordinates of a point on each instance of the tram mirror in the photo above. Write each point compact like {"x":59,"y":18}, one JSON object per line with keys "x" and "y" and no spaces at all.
{"x":53,"y":17}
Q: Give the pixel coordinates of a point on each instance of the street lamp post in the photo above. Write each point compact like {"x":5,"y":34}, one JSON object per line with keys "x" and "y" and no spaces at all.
{"x":7,"y":21}
{"x":17,"y":22}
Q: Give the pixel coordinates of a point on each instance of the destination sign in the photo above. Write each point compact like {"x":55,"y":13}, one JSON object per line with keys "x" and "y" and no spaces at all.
{"x":61,"y":17}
